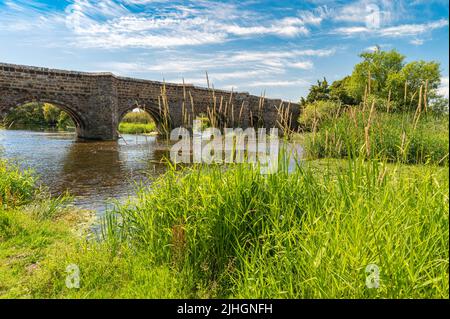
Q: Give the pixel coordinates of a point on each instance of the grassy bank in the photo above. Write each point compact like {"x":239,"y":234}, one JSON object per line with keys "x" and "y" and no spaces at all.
{"x":33,"y":227}
{"x":137,"y":128}
{"x":137,"y":123}
{"x":209,"y":232}
{"x":400,"y":137}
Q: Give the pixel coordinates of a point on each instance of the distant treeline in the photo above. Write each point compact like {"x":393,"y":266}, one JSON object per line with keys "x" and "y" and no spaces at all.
{"x":382,"y":78}
{"x":37,"y":114}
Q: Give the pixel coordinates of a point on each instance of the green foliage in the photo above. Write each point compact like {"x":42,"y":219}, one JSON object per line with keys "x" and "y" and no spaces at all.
{"x":17,"y":187}
{"x":137,"y":123}
{"x":136,"y":128}
{"x":382,"y":76}
{"x":415,"y":75}
{"x":140,"y":117}
{"x":394,"y":137}
{"x":315,"y":113}
{"x":27,"y":114}
{"x":51,"y":114}
{"x":339,"y":93}
{"x":439,"y":105}
{"x":205,"y":232}
{"x":318,"y":92}
{"x":38,"y":115}
{"x":245,"y":235}
{"x":379,"y":65}
{"x":64,"y":121}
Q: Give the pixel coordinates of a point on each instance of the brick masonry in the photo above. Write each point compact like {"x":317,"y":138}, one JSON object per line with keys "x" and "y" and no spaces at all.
{"x":97,"y":101}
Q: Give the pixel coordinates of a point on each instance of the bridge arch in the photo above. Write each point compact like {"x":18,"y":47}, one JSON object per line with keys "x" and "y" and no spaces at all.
{"x":63,"y":106}
{"x":150,"y":108}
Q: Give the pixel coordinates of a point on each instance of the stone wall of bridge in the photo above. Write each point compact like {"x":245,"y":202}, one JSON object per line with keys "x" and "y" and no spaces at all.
{"x":97,"y":101}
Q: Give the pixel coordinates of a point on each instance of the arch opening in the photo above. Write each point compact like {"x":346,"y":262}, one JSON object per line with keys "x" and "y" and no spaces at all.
{"x":137,"y":121}
{"x":41,"y":114}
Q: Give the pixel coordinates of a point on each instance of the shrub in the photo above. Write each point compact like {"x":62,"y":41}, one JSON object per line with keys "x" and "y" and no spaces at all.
{"x":315,"y":113}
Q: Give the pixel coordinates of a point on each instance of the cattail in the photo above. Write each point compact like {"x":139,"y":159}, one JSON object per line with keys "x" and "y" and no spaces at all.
{"x":425,"y":98}
{"x":365,"y":98}
{"x":419,"y":107}
{"x":367,"y":129}
{"x":192,"y":104}
{"x":240,"y":113}
{"x":232,"y":114}
{"x":406,"y":92}
{"x":388,"y":101}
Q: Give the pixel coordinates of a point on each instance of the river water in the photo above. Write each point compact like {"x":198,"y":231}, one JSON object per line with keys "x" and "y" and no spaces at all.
{"x":93,"y":172}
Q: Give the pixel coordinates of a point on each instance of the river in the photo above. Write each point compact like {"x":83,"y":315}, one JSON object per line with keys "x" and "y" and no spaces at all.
{"x":93,"y":172}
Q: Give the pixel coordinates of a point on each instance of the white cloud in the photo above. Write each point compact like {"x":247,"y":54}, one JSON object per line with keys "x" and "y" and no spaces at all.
{"x":314,"y":17}
{"x":413,"y":29}
{"x":403,"y":30}
{"x":417,"y":41}
{"x":274,"y":83}
{"x":443,"y":89}
{"x":110,"y":24}
{"x":250,"y":63}
{"x":371,"y":13}
{"x":305,"y":65}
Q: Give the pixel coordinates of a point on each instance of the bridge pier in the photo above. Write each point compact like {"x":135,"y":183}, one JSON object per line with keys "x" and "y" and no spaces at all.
{"x":100,"y":118}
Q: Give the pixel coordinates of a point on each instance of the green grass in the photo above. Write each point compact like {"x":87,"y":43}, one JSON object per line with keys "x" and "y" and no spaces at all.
{"x":16,"y":186}
{"x":393,"y":137}
{"x":137,"y":117}
{"x":136,"y":128}
{"x":210,"y":232}
{"x":137,"y":123}
{"x":33,"y":226}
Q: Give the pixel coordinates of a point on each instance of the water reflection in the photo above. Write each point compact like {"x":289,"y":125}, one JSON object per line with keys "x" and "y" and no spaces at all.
{"x":93,"y":172}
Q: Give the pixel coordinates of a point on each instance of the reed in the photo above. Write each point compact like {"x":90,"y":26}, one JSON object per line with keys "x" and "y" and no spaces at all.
{"x":247,"y":235}
{"x":404,"y":137}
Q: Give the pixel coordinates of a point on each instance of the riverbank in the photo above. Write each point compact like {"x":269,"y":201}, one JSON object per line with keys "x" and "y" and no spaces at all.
{"x":137,"y":128}
{"x":210,"y":233}
{"x":33,"y":227}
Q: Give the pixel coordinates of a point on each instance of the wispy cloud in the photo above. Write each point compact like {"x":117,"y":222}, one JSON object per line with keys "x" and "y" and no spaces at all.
{"x":417,"y":41}
{"x":273,"y":62}
{"x":109,"y":24}
{"x":305,"y":65}
{"x":403,"y":30}
{"x":264,"y":84}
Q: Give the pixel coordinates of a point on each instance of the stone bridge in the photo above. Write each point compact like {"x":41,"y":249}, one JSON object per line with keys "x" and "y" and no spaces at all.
{"x":96,"y":102}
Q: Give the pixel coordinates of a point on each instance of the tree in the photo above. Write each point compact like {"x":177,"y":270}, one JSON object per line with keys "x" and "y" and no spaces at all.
{"x":51,"y":114}
{"x":371,"y":75}
{"x":339,"y":93}
{"x":319,"y":92}
{"x":415,"y":74}
{"x":439,"y":105}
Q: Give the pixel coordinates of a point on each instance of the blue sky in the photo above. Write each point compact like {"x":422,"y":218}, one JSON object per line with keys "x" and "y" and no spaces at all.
{"x":281,"y":47}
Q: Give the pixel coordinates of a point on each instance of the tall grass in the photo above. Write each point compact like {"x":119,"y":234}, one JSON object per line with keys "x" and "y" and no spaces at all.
{"x":17,"y":186}
{"x":402,"y":137}
{"x":231,"y":232}
{"x":308,"y":234}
